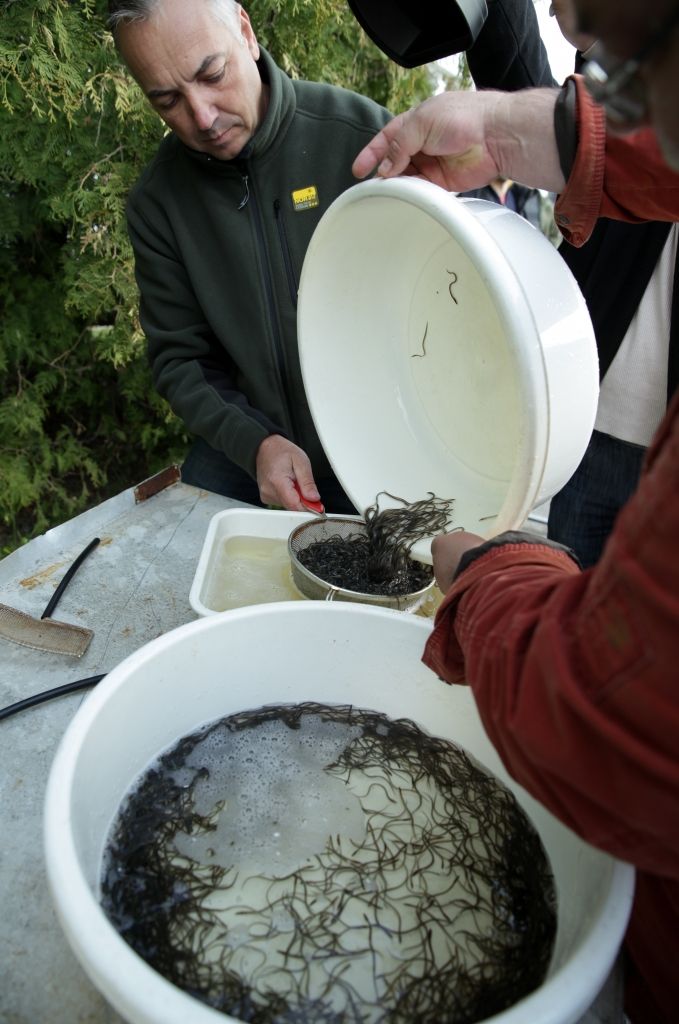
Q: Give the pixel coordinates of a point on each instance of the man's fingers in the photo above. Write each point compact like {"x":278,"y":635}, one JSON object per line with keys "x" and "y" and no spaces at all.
{"x":447,"y":550}
{"x":288,"y":495}
{"x":370,"y":156}
{"x":394,"y":161}
{"x":389,"y":151}
{"x":284,"y":474}
{"x":405,"y":137}
{"x":304,"y":478}
{"x":400,"y":147}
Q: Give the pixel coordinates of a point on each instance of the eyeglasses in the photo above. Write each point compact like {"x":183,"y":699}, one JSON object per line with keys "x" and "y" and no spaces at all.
{"x":617,"y":84}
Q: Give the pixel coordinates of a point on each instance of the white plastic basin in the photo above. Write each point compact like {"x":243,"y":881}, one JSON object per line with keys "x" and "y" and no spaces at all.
{"x":445,"y":347}
{"x":280,"y":653}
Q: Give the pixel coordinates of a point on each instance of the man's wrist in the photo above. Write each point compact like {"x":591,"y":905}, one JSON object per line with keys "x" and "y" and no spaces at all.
{"x":521,"y":138}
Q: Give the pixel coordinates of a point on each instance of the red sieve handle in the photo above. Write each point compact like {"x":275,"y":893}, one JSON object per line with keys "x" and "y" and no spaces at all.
{"x":316,"y":507}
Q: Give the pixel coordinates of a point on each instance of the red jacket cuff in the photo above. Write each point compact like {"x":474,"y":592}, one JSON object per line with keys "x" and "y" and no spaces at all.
{"x":444,"y":650}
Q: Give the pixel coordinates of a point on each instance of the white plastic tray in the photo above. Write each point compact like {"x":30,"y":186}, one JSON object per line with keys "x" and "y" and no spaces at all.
{"x":220,"y":583}
{"x":245,"y":575}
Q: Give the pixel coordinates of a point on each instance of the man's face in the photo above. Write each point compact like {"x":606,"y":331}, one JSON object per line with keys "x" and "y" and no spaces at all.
{"x":200,"y":77}
{"x":624,"y":27}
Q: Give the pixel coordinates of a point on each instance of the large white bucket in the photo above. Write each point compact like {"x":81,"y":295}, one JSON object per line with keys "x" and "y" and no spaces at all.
{"x":445,"y":347}
{"x":284,"y":653}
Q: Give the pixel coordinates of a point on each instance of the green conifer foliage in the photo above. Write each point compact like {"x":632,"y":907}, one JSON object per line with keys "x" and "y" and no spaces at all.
{"x":79,"y":418}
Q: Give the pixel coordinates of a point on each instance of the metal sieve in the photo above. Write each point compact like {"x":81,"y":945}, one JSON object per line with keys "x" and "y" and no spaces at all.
{"x":317,"y":589}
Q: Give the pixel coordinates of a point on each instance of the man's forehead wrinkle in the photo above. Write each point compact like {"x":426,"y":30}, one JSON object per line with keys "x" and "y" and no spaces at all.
{"x":204,"y":65}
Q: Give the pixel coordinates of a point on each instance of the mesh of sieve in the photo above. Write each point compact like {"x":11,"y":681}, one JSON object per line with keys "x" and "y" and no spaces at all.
{"x":312,"y":586}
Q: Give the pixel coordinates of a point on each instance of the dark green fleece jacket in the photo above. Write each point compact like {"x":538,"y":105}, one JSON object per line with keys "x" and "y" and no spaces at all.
{"x":219,"y":247}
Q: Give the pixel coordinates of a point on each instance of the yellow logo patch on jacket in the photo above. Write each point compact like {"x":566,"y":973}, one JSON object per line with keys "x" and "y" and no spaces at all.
{"x":305,"y":198}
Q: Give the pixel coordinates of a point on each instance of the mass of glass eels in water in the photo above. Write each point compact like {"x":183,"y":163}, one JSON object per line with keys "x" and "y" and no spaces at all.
{"x":379,"y":562}
{"x":320,"y":863}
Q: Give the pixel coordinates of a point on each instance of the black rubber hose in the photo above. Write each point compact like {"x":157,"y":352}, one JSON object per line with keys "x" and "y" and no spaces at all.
{"x":79,"y":684}
{"x":57,"y":691}
{"x":68,"y":576}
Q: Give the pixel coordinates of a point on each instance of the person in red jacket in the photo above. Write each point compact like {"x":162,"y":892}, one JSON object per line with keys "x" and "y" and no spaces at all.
{"x":576,"y":674}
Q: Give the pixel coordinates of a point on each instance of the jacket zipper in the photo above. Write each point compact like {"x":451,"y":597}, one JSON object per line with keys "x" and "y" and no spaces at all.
{"x":250,"y":198}
{"x":246,"y":192}
{"x":285,"y":248}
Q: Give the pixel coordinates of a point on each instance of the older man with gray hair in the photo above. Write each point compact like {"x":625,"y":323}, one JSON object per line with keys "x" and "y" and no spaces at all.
{"x":220,"y":222}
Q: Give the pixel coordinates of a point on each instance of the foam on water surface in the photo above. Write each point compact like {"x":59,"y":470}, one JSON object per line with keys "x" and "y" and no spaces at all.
{"x":276,"y":805}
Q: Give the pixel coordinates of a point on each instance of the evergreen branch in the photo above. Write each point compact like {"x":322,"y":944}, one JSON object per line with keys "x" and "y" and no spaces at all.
{"x":98,"y":163}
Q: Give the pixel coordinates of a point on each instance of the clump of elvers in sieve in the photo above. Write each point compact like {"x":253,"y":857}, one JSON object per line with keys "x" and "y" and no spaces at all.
{"x":378,"y":561}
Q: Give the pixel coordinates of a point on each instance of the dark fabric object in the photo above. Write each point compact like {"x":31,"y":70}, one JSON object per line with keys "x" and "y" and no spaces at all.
{"x":508,"y":53}
{"x":582,"y":514}
{"x":565,"y":127}
{"x":204,"y":467}
{"x":486,"y":192}
{"x":527,"y":203}
{"x":212,"y":471}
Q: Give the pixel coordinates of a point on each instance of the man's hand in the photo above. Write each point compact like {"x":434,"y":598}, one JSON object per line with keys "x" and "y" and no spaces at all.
{"x":447,"y":550}
{"x":444,"y":140}
{"x":279,"y":464}
{"x":462,"y":140}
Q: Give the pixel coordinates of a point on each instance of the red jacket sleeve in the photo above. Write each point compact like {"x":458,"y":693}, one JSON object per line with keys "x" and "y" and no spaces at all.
{"x":624,"y":177}
{"x":576,"y":674}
